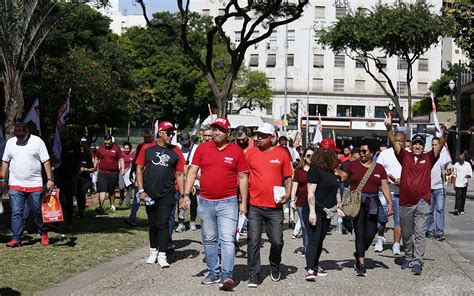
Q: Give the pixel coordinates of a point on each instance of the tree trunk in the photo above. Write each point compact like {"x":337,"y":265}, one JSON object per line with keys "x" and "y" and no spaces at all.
{"x":13,"y":100}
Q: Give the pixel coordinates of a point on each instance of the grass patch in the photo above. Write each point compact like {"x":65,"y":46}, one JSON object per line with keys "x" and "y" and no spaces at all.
{"x":92,"y":241}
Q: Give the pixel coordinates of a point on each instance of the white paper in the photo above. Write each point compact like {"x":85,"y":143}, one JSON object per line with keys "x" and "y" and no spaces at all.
{"x":278,"y":193}
{"x":126,"y":178}
{"x":240,"y":224}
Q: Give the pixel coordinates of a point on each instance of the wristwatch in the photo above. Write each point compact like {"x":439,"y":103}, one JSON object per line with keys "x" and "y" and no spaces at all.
{"x":185,"y":195}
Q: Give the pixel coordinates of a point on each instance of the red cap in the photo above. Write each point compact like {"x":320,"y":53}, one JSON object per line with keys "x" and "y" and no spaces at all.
{"x":329,"y":144}
{"x":222,"y":122}
{"x":166,"y":126}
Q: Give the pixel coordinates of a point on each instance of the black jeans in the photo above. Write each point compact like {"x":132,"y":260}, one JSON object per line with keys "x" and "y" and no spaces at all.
{"x":365,"y":230}
{"x":273,"y":219}
{"x":316,"y":235}
{"x":158,"y":221}
{"x":82,"y":186}
{"x":66,"y":193}
{"x":460,"y":198}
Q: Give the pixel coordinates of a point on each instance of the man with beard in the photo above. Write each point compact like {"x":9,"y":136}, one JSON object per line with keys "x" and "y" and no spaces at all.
{"x":242,"y":139}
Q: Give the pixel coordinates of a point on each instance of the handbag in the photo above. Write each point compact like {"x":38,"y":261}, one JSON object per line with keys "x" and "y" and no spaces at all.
{"x":351,"y":200}
{"x":51,"y":209}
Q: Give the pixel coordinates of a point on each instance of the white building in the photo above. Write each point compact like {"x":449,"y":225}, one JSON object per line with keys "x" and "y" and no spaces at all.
{"x":340,"y":90}
{"x":121,"y":20}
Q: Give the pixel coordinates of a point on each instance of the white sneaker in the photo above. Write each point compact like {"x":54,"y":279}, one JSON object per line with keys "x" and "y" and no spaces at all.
{"x":396,"y":249}
{"x":112,"y":208}
{"x":192,"y":226}
{"x":379,"y":244}
{"x":153,"y":256}
{"x":181,"y":228}
{"x":162,"y":260}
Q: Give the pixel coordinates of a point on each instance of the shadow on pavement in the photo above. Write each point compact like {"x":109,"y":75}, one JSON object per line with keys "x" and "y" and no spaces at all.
{"x":341,"y":264}
{"x":9,"y":291}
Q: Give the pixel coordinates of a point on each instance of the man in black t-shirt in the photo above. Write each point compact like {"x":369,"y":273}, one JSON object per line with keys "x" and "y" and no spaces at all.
{"x":160,"y":167}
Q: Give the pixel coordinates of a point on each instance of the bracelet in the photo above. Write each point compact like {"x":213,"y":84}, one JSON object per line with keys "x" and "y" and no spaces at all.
{"x":185,"y":195}
{"x":50,"y":179}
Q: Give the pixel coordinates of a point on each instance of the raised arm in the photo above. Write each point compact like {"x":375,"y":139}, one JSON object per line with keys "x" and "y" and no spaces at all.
{"x":397,"y":147}
{"x":443,"y":138}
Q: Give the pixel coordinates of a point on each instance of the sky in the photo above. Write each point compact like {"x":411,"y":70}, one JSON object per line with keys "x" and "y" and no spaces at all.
{"x":152,"y":6}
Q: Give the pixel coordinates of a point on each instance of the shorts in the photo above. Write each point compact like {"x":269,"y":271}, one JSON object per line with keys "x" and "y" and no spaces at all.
{"x":106,"y":182}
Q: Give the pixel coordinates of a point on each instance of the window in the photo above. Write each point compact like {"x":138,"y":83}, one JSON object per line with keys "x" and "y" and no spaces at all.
{"x":206,"y":12}
{"x":350,"y":111}
{"x":272,"y":82}
{"x":341,"y":12}
{"x":318,"y":109}
{"x":253,"y":60}
{"x":271,"y":61}
{"x":318,"y":84}
{"x":289,"y":83}
{"x":402,"y":88}
{"x":273,"y":36}
{"x":291,"y":35}
{"x":380,"y":112}
{"x":423,"y":65}
{"x":318,"y":61}
{"x":359,"y":85}
{"x":338,"y":85}
{"x":402,"y":64}
{"x":319,"y":12}
{"x":360,"y":62}
{"x":422,"y":87}
{"x":290,"y":60}
{"x":383,"y":62}
{"x":339,"y":61}
{"x":221,"y":12}
{"x":237,"y":36}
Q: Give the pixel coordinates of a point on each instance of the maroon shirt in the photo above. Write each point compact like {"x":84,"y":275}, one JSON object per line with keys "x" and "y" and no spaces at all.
{"x":415,"y":180}
{"x":108,"y":159}
{"x":356,"y":172}
{"x":128,"y":159}
{"x":301,"y":176}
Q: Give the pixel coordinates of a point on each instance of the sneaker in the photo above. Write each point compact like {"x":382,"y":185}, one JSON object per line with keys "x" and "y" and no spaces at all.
{"x":153,"y":256}
{"x":356,"y":263}
{"x":13,"y":244}
{"x":162,"y":260}
{"x":120,"y":202}
{"x":294,"y":236}
{"x":210,"y":279}
{"x":130,"y":222}
{"x":253,"y":281}
{"x":379,"y":244}
{"x":303,"y":254}
{"x":396,"y":249}
{"x":361,"y":271}
{"x":440,"y":238}
{"x":181,"y":228}
{"x":461,"y":212}
{"x":320,"y":271}
{"x":406,"y":264}
{"x":192,"y":226}
{"x":456,"y":213}
{"x":226,"y":284}
{"x":112,"y":208}
{"x":310,"y":275}
{"x":430,"y":236}
{"x":416,"y":269}
{"x":275,"y":274}
{"x":99,"y":211}
{"x":44,"y":239}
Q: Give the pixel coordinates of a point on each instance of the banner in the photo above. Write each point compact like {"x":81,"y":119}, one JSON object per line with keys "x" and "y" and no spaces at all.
{"x":34,"y":116}
{"x":63,"y":114}
{"x":51,"y":207}
{"x":318,"y":134}
{"x":444,"y":156}
{"x":196,"y":128}
{"x":155,"y":129}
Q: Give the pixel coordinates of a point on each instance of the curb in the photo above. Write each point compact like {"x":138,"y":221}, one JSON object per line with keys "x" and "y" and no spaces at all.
{"x":457,"y":258}
{"x":469,"y":195}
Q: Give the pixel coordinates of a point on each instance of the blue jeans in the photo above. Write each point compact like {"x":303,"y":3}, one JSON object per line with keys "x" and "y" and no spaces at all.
{"x":17,"y":201}
{"x":303,"y":227}
{"x":218,"y":228}
{"x":438,"y":199}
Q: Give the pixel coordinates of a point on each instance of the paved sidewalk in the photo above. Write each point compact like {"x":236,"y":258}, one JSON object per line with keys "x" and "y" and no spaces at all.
{"x":130,"y":275}
{"x":470,"y":189}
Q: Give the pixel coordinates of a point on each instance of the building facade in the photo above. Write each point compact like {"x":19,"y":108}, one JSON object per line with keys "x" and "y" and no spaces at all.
{"x":121,"y":19}
{"x":319,"y":81}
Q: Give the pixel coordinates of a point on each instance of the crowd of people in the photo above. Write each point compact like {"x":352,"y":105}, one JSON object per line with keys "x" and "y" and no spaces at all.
{"x":221,"y":181}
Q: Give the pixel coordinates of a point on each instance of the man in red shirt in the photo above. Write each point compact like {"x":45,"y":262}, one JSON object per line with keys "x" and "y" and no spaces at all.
{"x":415,"y":193}
{"x":269,"y":165}
{"x":109,"y":161}
{"x":223,"y":170}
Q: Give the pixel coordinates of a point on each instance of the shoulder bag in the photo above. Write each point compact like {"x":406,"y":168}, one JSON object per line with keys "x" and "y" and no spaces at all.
{"x":352,"y":198}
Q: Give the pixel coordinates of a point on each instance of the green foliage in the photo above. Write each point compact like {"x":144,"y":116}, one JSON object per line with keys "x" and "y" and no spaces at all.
{"x":463,"y":13}
{"x":252,"y":90}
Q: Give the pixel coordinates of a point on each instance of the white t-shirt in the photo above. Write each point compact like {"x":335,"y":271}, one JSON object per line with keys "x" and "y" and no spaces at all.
{"x":436,"y":177}
{"x":461,"y":171}
{"x":25,"y":161}
{"x":390,"y":162}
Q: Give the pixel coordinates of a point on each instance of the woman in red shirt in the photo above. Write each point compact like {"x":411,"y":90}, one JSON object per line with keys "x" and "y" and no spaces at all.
{"x":299,"y":191}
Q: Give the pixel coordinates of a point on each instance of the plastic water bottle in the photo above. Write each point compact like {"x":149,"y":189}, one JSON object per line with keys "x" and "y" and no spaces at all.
{"x":339,"y":224}
{"x":182,"y":213}
{"x":149,"y":201}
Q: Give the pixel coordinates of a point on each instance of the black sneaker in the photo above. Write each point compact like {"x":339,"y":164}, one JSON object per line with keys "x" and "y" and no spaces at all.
{"x":275,"y":274}
{"x":253,"y":281}
{"x":440,"y":238}
{"x":361,"y":271}
{"x":356,"y":263}
{"x":416,"y":269}
{"x":456,"y":213}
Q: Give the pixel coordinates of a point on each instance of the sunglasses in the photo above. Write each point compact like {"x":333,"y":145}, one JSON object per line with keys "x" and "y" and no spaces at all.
{"x":364,"y":151}
{"x":170,"y":134}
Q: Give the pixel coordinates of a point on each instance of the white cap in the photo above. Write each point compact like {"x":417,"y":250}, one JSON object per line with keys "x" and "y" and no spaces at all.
{"x":266,"y":128}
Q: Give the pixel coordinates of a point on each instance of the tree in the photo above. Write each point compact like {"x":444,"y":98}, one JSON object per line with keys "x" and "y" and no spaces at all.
{"x":406,"y":30}
{"x":252,"y":90}
{"x":463,"y":13}
{"x":264,"y":15}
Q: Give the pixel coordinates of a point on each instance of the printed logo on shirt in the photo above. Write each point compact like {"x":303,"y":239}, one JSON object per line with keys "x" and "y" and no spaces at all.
{"x":228,"y":159}
{"x":377,"y":176}
{"x":113,"y":151}
{"x":275,"y":161}
{"x":423,"y":161}
{"x":163,"y":159}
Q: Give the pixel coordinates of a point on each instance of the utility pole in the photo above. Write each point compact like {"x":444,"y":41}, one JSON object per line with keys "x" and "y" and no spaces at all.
{"x":458,"y":112}
{"x":285,"y":98}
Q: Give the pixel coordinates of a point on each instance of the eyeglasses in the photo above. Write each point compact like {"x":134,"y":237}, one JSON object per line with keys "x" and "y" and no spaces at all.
{"x":364,"y":151}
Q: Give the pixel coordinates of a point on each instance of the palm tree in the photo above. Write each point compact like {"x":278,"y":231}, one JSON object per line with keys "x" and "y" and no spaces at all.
{"x":24,"y":24}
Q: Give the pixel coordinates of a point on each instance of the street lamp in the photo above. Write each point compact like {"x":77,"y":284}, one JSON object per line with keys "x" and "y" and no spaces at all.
{"x":452,"y":85}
